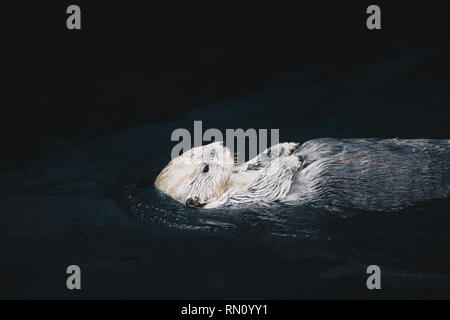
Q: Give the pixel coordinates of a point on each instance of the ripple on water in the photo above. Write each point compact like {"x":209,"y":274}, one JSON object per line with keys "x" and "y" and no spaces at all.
{"x":412,"y":241}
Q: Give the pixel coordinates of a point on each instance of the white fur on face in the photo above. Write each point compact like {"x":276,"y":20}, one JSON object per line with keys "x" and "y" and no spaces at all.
{"x":200,"y":174}
{"x":207,"y":176}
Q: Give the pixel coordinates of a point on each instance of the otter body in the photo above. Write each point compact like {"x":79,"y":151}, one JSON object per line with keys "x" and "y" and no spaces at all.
{"x":372,"y":174}
{"x":369,"y":174}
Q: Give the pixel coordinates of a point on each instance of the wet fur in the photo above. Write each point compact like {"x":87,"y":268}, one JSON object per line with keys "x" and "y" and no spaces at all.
{"x":370,"y":174}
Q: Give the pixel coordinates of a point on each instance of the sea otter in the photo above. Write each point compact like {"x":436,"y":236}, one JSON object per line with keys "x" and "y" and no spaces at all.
{"x":368,"y":174}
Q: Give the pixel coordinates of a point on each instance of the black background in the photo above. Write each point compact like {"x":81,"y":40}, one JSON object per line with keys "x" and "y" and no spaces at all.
{"x":135,"y":63}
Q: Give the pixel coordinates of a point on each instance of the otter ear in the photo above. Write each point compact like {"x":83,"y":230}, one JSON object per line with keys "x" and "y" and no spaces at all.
{"x":190,"y":202}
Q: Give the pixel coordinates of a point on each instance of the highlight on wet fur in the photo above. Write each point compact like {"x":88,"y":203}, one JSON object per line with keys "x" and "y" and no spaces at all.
{"x":368,"y":174}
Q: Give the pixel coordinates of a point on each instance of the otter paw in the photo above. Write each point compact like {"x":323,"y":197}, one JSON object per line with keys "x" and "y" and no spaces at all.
{"x":290,"y":148}
{"x":284,"y":149}
{"x":295,"y":162}
{"x":286,"y":165}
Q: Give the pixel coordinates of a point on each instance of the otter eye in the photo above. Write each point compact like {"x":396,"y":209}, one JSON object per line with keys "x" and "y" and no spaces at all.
{"x":206,"y":169}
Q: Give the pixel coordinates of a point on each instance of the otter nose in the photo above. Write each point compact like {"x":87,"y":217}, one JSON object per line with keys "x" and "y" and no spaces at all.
{"x":191,"y":202}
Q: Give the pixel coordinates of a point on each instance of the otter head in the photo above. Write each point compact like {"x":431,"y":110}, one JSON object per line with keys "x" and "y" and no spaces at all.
{"x":198,"y":176}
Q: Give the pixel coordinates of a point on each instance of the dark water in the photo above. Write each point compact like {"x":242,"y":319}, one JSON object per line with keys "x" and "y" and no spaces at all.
{"x":410,"y":245}
{"x":68,"y":208}
{"x":90,"y":125}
